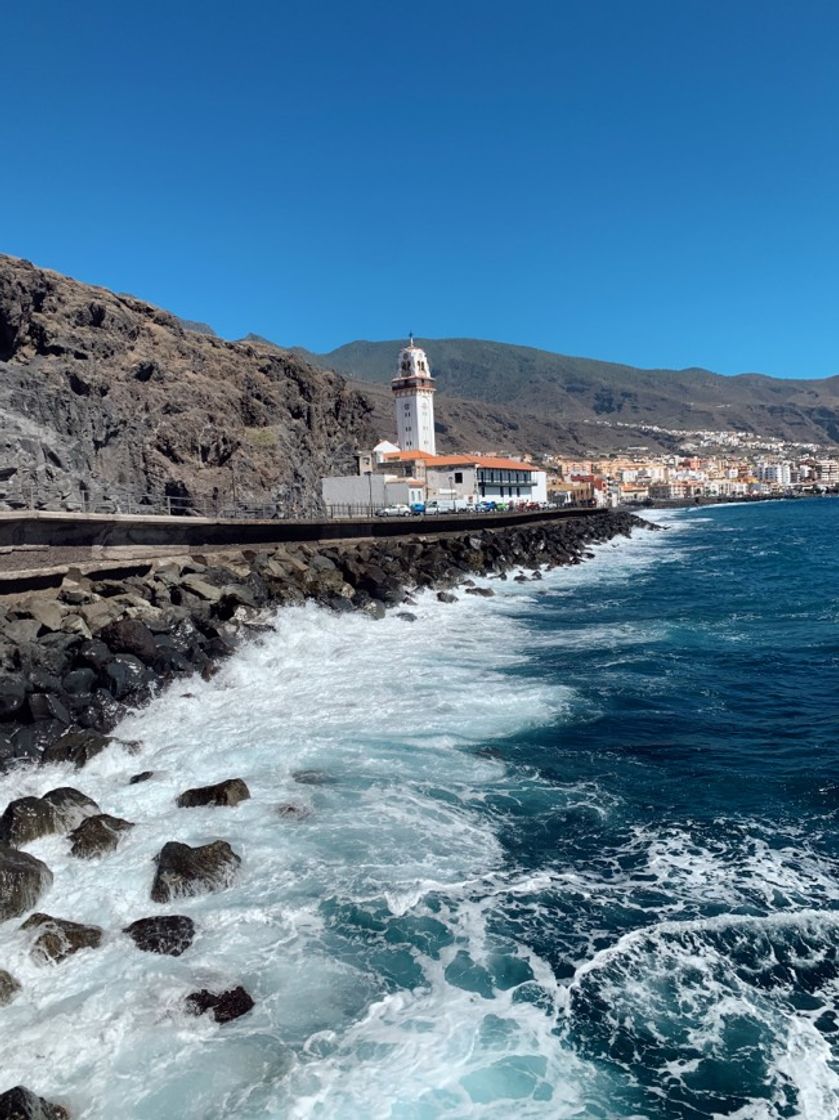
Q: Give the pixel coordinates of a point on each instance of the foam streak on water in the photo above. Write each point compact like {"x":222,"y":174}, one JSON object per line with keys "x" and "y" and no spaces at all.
{"x":508,"y":892}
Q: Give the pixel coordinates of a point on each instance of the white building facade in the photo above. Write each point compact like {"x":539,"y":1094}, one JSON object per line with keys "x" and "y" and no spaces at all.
{"x":413,"y":390}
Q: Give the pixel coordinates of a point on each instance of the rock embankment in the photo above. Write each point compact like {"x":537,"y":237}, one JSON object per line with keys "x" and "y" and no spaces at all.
{"x":73,"y":659}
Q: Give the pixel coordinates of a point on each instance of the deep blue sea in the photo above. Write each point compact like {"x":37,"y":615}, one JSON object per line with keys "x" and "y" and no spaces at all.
{"x":571,"y":851}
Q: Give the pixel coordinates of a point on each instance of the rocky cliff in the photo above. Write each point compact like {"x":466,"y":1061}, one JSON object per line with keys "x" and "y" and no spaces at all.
{"x":106,"y":400}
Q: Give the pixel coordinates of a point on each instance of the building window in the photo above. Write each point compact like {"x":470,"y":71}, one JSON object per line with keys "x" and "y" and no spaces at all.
{"x":458,"y":476}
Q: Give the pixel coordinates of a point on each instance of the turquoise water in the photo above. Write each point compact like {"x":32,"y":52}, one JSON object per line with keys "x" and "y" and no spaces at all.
{"x":570,"y":851}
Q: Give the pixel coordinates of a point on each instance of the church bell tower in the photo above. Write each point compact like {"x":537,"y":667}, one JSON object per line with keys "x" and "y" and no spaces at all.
{"x":413,"y":391}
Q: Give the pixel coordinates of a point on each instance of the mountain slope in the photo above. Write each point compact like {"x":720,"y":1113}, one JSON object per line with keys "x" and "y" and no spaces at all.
{"x":567,"y":389}
{"x":105,"y":395}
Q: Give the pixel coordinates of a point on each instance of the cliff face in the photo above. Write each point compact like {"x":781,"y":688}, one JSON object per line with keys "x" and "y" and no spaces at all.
{"x":105,"y":399}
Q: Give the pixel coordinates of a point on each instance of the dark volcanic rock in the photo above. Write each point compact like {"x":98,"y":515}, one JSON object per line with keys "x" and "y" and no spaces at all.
{"x":56,"y":939}
{"x":312,"y":777}
{"x":71,"y":807}
{"x":229,"y":792}
{"x":129,"y":635}
{"x":97,"y":835}
{"x":168,"y":934}
{"x":77,"y":747}
{"x":143,"y":776}
{"x":23,"y":879}
{"x":9,"y":987}
{"x":446,"y":597}
{"x":12,"y":696}
{"x":291,"y":812}
{"x":183,"y":871}
{"x":225,"y":1006}
{"x":22,"y":1104}
{"x":124,"y":674}
{"x":27,"y":819}
{"x":484,"y":592}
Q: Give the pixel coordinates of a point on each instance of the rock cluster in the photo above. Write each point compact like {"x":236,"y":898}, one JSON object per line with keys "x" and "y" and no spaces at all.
{"x":73,"y":659}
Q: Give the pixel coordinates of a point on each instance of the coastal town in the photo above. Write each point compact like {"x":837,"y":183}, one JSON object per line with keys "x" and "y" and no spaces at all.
{"x":409,"y":476}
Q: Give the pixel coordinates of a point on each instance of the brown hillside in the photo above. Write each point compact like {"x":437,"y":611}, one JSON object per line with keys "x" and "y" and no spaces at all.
{"x":104,"y":397}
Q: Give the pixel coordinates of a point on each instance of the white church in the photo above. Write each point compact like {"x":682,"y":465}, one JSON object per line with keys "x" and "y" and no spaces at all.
{"x":411,"y":473}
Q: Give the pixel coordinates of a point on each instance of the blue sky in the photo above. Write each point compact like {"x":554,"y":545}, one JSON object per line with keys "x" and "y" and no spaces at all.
{"x":651,"y":181}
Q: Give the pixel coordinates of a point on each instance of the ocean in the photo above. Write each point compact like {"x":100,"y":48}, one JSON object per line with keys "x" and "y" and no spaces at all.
{"x":571,"y":851}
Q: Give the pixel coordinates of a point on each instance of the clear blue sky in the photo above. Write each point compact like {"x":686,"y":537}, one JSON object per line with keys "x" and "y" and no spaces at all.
{"x":648,"y":181}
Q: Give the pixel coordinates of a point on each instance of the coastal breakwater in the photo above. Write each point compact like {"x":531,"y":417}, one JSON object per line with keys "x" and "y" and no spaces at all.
{"x":75,"y":659}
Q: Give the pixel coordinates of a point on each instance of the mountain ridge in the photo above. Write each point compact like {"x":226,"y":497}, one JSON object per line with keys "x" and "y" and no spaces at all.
{"x":573,"y":389}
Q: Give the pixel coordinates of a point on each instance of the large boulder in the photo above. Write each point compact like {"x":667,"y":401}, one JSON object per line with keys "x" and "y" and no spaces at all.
{"x":124,"y":675}
{"x":70,"y":806}
{"x":77,"y":747}
{"x":9,"y":987}
{"x":130,"y":635}
{"x":97,"y":835}
{"x":167,"y":934}
{"x":12,"y":696}
{"x":229,"y":792}
{"x":27,"y":819}
{"x":56,"y":939}
{"x":22,"y":1104}
{"x":225,"y":1006}
{"x":183,"y":871}
{"x":23,"y":879}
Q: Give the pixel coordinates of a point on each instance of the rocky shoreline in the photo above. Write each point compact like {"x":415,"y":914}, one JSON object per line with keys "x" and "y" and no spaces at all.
{"x":75,"y":659}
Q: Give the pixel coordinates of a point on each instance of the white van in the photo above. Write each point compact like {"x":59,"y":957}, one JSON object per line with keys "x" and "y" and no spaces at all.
{"x":447,"y":505}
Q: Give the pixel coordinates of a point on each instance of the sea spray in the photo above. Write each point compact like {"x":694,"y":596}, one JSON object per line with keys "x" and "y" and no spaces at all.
{"x":534,"y":866}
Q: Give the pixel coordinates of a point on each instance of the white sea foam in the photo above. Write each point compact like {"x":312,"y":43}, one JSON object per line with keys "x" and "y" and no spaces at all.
{"x":365,"y":931}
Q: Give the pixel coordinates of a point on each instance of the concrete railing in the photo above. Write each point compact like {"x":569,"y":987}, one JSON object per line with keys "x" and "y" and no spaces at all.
{"x":62,"y":530}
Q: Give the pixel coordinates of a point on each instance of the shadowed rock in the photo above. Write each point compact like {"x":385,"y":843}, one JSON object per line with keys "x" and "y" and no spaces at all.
{"x":142,"y":777}
{"x":130,"y":635}
{"x":225,"y":1006}
{"x":168,"y":934}
{"x":291,"y":812}
{"x":312,"y":777}
{"x":22,"y":1104}
{"x":9,"y":987}
{"x":229,"y":792}
{"x":97,"y":835}
{"x":23,"y":879}
{"x":183,"y":871}
{"x":484,"y":592}
{"x":27,"y":819}
{"x":70,"y":806}
{"x":78,"y":747}
{"x":446,"y":597}
{"x":58,"y":939}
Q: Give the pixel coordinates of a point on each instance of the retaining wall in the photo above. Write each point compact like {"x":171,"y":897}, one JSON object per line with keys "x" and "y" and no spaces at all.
{"x":114,"y":530}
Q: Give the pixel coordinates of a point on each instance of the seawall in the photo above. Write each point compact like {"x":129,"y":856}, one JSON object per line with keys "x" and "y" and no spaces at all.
{"x":75,"y":656}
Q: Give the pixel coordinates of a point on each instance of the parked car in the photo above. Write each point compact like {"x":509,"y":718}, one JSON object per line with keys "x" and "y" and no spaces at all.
{"x":417,"y":507}
{"x":396,"y":510}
